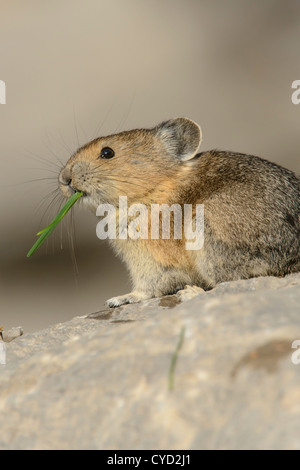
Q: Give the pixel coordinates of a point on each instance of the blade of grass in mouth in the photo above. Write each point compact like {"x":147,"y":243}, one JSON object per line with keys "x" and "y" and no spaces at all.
{"x":48,"y":230}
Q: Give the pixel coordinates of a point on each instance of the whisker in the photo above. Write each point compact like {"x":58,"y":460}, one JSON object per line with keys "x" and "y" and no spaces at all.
{"x":49,"y":178}
{"x":58,"y":201}
{"x":43,"y":160}
{"x":72,"y":241}
{"x":55,"y":156}
{"x":56,"y":198}
{"x":50,"y":149}
{"x":126,"y":114}
{"x":42,"y":169}
{"x":83,"y":131}
{"x":41,"y":202}
{"x":65,"y":145}
{"x":75,"y":124}
{"x":99,"y":127}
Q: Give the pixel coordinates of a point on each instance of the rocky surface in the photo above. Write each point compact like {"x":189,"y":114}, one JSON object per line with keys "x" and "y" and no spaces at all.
{"x":197,"y":370}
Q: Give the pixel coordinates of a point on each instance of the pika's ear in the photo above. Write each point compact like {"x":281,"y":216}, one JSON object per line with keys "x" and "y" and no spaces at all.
{"x":181,"y":137}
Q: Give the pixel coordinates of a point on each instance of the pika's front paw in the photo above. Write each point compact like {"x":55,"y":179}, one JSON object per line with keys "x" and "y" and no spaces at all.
{"x":131,"y":298}
{"x":189,"y":292}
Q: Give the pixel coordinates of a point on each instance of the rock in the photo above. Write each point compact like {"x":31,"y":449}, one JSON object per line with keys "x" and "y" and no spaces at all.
{"x":217,"y":371}
{"x":13,"y":333}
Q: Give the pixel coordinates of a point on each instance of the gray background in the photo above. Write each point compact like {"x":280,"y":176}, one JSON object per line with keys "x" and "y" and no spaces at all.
{"x":78,"y":69}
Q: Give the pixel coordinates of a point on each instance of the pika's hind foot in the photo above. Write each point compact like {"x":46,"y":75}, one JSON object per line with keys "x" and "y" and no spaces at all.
{"x":131,"y":298}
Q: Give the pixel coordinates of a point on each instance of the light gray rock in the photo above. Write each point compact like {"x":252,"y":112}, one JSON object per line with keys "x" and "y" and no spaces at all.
{"x":13,"y":333}
{"x":103,"y":381}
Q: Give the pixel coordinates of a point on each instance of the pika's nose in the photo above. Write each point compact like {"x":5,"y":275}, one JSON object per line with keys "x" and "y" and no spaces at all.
{"x":65,"y":176}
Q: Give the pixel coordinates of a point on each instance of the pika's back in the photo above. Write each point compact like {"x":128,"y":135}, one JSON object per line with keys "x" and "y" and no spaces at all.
{"x":251,"y":206}
{"x":237,"y":172}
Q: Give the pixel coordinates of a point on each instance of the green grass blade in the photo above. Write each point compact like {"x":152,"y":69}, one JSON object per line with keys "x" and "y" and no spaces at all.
{"x":174,"y":359}
{"x":48,"y":230}
{"x":40,"y":241}
{"x":63,"y":211}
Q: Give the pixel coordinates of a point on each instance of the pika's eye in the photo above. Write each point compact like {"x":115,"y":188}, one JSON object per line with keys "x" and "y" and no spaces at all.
{"x":107,"y":152}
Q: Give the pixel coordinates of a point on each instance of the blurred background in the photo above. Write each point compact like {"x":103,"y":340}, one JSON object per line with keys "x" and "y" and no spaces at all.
{"x":78,"y":69}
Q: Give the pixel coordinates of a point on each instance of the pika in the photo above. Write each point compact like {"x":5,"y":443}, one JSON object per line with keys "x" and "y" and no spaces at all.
{"x":251,"y":207}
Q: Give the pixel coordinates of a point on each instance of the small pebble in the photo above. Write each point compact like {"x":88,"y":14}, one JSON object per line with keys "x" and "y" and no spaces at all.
{"x":9,"y":335}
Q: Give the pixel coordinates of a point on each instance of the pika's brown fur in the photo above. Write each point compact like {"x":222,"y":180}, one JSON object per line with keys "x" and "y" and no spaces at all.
{"x":251,"y":207}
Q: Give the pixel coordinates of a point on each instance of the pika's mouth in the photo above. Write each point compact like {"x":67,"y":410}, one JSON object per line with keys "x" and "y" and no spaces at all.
{"x":74,"y":190}
{"x":68,"y":190}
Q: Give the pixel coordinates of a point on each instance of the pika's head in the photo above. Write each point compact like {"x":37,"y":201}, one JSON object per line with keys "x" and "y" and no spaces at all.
{"x":132,"y":163}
